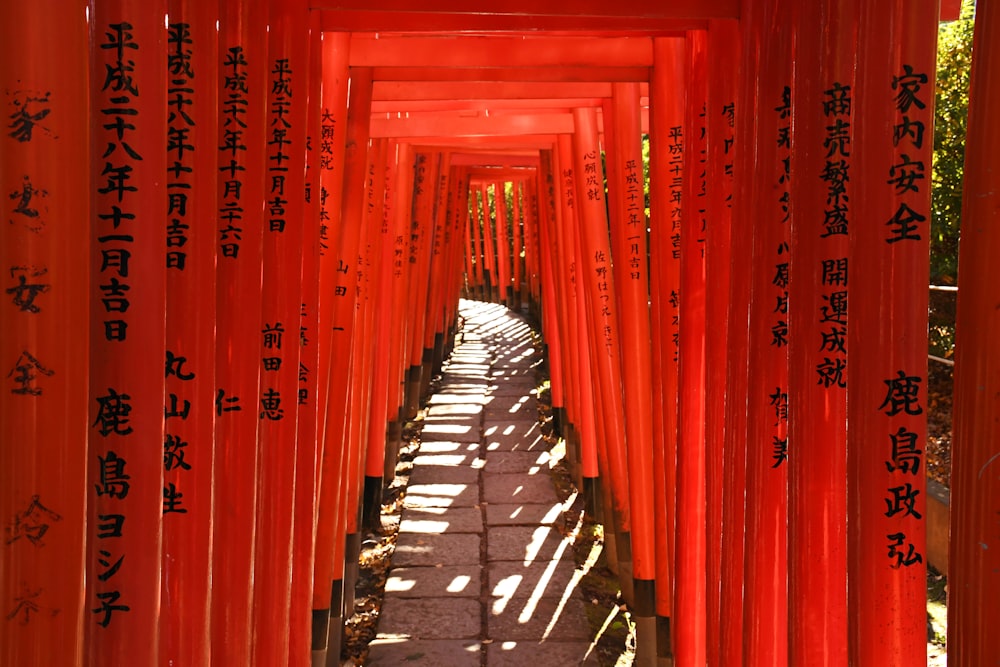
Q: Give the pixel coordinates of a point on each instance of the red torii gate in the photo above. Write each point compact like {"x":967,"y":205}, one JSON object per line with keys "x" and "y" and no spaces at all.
{"x":439,"y":95}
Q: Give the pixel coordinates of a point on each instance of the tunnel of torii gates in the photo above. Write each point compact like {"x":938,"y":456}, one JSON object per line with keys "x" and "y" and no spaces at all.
{"x":234,"y":238}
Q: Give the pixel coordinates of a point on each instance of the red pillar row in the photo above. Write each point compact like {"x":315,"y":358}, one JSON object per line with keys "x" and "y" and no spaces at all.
{"x":665,"y":384}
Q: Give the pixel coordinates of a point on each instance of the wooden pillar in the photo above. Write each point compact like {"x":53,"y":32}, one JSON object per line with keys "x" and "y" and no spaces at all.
{"x":632,"y":289}
{"x":765,"y":606}
{"x":887,"y":336}
{"x":690,"y":595}
{"x":284,"y":187}
{"x":974,"y":584}
{"x":45,"y":255}
{"x":327,"y":594}
{"x":594,"y":271}
{"x":822,"y":210}
{"x":666,"y":185}
{"x":189,"y":437}
{"x":737,"y":149}
{"x":241,"y":163}
{"x":127,"y":345}
{"x":309,"y":451}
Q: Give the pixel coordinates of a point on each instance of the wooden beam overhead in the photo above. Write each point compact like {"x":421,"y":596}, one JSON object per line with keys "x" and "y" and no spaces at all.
{"x":580,"y":74}
{"x":473,"y":107}
{"x":450,"y":125}
{"x":472,"y":52}
{"x":492,"y":158}
{"x":500,"y":11}
{"x":478,"y":90}
{"x":415,"y":21}
{"x":520,"y":143}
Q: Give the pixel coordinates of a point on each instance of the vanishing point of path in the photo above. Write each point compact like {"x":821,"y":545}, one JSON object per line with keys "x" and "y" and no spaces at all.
{"x":482,"y":573}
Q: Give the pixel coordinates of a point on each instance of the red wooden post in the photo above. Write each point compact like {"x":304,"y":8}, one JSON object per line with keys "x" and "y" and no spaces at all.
{"x":737,"y":150}
{"x":402,"y":193}
{"x":689,"y":601}
{"x":632,"y":289}
{"x":189,"y":437}
{"x":689,"y":592}
{"x":889,"y":246}
{"x":378,"y":283}
{"x":459,"y":216}
{"x":326,"y":595}
{"x":568,"y":232}
{"x":127,"y":342}
{"x":765,"y":607}
{"x":352,"y":374}
{"x":471,"y":259}
{"x":433,"y":336}
{"x":419,"y":251}
{"x":360,"y":378}
{"x":309,"y":451}
{"x":594,"y":270}
{"x":477,"y":254}
{"x":348,"y":232}
{"x":517,"y":189}
{"x":503,"y":241}
{"x":561,"y":251}
{"x":45,"y":415}
{"x":823,"y":91}
{"x":241,"y":164}
{"x":550,"y":305}
{"x":285,"y":140}
{"x":489,"y":246}
{"x":974,"y":584}
{"x":666,"y":181}
{"x":722,"y":49}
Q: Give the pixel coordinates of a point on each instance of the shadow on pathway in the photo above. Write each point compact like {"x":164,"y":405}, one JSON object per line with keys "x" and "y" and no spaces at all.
{"x":482,"y":573}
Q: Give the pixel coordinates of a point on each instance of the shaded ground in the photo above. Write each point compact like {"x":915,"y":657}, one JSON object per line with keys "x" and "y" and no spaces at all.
{"x":939,"y":392}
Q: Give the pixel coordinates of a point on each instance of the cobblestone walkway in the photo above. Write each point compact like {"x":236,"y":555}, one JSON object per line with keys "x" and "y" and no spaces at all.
{"x":482,"y":574}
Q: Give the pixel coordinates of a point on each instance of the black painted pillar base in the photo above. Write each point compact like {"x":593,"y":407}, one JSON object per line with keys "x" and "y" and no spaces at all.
{"x":371,"y":506}
{"x":336,"y":627}
{"x":412,"y":392}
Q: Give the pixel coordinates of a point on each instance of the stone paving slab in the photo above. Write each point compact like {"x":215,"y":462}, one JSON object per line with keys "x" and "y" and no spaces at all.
{"x":518,"y":462}
{"x":548,"y":579}
{"x":524,"y":544}
{"x":461,"y":581}
{"x":454,"y":460}
{"x":392,"y":652}
{"x":441,"y":495}
{"x":415,"y":549}
{"x":524,"y":408}
{"x":530,"y":514}
{"x":445,"y":446}
{"x":518,"y":489}
{"x":453,"y":396}
{"x":510,"y":436}
{"x":510,"y":402}
{"x":450,"y":618}
{"x":442,"y":520}
{"x":456,"y":430}
{"x":519,"y":385}
{"x":454,"y":410}
{"x":464,"y":379}
{"x":529,"y":619}
{"x":424,"y":473}
{"x":521,"y":653}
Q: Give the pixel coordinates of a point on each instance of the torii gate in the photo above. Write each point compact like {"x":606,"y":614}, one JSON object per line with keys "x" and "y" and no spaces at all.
{"x":760,"y":508}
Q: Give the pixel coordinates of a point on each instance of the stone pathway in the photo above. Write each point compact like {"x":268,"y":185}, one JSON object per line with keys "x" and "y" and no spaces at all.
{"x":482,"y":574}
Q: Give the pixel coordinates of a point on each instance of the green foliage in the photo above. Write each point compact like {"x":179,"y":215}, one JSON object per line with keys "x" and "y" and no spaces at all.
{"x":950,"y":114}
